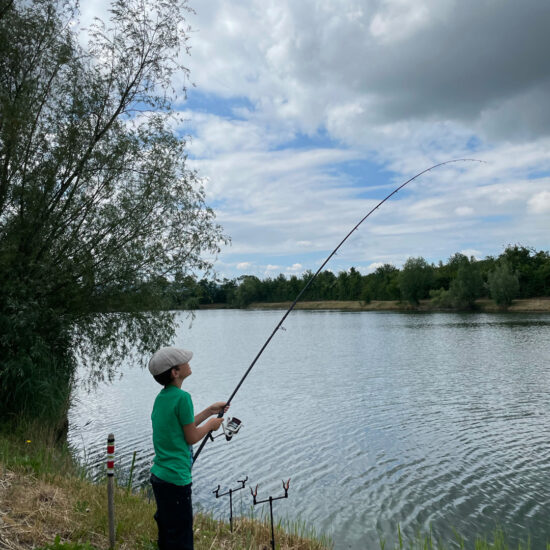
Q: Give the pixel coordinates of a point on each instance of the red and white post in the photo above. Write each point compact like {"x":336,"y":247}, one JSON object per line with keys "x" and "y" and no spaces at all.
{"x":111,"y":488}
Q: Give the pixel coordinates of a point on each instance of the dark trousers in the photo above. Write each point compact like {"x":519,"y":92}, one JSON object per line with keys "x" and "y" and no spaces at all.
{"x":174,"y":515}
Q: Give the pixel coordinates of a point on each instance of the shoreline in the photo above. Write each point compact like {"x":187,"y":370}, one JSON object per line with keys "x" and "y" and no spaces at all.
{"x":47,"y":502}
{"x":484,"y":305}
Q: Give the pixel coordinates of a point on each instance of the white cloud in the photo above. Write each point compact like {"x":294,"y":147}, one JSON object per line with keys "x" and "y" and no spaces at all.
{"x":371,"y":268}
{"x":464,"y":211}
{"x":540,"y":203}
{"x":377,"y":63}
{"x":401,"y":83}
{"x":399,"y":19}
{"x":471,"y":252}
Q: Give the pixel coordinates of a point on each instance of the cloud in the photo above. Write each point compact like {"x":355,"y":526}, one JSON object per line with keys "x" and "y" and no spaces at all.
{"x":379,"y":63}
{"x":299,"y":104}
{"x":371,"y":268}
{"x":540,"y":203}
{"x":471,"y":252}
{"x":464,"y":211}
{"x":397,"y":20}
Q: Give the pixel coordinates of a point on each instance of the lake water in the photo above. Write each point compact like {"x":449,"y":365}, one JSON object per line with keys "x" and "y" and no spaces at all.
{"x":429,"y":421}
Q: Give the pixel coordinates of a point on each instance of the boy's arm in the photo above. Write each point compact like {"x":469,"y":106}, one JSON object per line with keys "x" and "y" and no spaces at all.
{"x":215,"y":408}
{"x":194,"y":434}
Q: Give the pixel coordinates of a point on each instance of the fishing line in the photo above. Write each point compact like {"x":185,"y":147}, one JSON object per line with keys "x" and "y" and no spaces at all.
{"x":209,"y":436}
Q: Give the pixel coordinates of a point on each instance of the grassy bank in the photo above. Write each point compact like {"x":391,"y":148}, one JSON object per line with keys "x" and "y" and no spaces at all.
{"x":530,"y":305}
{"x":46,"y":501}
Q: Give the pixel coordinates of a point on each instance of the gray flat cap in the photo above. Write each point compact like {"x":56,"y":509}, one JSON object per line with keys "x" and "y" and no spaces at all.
{"x":166,"y":358}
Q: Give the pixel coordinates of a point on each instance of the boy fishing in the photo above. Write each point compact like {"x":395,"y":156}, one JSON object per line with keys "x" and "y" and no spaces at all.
{"x":175,"y":429}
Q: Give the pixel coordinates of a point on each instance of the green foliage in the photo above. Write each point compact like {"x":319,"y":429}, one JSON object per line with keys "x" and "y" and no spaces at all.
{"x":98,"y":210}
{"x":325,"y":284}
{"x":383,"y":284}
{"x":467,"y":286}
{"x":532,"y":269}
{"x":349,"y":285}
{"x":442,"y":298}
{"x":503,"y":284}
{"x":33,"y":447}
{"x":415,"y":280}
{"x":456,"y":284}
{"x":249,"y":290}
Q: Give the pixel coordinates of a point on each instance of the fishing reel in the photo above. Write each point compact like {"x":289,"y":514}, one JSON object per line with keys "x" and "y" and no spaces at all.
{"x":232,"y":428}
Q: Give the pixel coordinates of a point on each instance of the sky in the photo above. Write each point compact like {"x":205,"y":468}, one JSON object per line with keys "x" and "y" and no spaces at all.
{"x":304,"y":114}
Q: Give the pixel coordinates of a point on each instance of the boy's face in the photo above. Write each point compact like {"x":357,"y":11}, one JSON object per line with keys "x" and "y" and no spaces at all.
{"x":181,"y":372}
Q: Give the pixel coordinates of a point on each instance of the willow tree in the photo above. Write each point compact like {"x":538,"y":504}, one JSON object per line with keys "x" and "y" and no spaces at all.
{"x":96,"y":200}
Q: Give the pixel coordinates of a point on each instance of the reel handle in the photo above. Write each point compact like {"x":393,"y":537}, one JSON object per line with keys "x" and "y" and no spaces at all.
{"x":208,"y":435}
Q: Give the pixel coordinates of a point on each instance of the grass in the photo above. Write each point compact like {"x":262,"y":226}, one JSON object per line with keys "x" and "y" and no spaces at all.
{"x":47,"y":502}
{"x":498,"y":541}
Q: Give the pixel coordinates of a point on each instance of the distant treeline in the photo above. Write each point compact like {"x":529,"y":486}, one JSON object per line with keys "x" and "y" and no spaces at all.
{"x":519,"y":272}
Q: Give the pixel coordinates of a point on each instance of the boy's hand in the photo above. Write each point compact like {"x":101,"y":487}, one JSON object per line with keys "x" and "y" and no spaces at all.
{"x":218,"y":407}
{"x":214,"y":424}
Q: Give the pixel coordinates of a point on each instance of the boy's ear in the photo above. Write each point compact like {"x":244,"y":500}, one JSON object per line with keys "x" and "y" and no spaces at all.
{"x":172,"y":373}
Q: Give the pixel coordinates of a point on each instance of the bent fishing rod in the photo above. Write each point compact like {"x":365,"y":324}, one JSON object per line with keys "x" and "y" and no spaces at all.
{"x":301,"y":293}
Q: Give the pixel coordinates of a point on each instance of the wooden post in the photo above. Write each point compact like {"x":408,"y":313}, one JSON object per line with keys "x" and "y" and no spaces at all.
{"x":111,"y":488}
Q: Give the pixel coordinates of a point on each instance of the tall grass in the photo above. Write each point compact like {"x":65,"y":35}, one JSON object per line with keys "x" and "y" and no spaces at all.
{"x":498,"y":541}
{"x":48,"y":502}
{"x":34,"y":447}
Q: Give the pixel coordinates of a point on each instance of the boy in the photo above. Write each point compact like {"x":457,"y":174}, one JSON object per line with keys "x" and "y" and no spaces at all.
{"x":175,"y":429}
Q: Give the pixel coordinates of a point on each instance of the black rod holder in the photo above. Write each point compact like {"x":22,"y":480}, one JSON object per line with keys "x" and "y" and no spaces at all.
{"x":270,"y":500}
{"x":230,"y":493}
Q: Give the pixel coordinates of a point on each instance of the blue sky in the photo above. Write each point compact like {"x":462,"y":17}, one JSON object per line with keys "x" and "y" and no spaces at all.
{"x":305,"y":114}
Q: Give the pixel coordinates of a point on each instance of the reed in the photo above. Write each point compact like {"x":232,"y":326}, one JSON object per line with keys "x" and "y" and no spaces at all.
{"x":498,"y":541}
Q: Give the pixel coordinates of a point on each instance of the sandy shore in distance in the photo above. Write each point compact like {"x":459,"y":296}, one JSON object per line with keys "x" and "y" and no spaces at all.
{"x":539,"y":305}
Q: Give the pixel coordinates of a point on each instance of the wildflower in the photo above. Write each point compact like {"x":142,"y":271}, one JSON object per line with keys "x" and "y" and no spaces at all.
{"x":28,"y":441}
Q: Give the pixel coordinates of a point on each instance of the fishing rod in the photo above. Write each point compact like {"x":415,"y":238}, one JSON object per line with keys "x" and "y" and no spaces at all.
{"x":279,"y":324}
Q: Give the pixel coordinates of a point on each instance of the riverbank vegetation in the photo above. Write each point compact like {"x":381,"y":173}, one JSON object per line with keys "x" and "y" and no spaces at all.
{"x":47,"y":503}
{"x":458,"y":284}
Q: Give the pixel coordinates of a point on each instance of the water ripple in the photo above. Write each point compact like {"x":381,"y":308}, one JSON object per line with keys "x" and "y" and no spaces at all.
{"x":429,"y":422}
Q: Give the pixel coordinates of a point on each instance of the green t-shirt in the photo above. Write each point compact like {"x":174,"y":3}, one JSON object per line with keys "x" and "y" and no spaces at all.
{"x":173,"y":409}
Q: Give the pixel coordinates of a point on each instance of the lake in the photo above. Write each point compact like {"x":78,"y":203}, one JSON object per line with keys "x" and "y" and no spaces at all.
{"x":426,"y":421}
